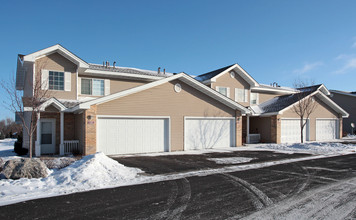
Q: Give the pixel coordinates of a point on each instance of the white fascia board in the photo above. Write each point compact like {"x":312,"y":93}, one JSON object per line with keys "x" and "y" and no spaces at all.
{"x":343,"y":93}
{"x":183,"y":77}
{"x":323,"y":89}
{"x":326,"y":100}
{"x":53,"y":101}
{"x":332,"y":104}
{"x":113,"y":74}
{"x":213,"y":79}
{"x":290,"y":106}
{"x":61,"y":50}
{"x":245,"y":75}
{"x":214,"y":94}
{"x":259,"y":89}
{"x":266,"y":114}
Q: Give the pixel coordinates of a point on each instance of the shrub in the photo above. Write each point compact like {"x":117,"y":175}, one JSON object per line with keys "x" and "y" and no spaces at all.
{"x":18,"y":147}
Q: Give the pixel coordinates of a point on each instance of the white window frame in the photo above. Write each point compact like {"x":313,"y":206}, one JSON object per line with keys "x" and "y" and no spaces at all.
{"x":257,"y":98}
{"x":223,"y":87}
{"x":92,"y":86}
{"x":49,"y":71}
{"x":243,"y":97}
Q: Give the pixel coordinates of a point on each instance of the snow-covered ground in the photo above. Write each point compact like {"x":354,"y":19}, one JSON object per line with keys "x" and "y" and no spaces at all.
{"x":99,"y":171}
{"x":231,"y":160}
{"x":333,"y":201}
{"x":7,"y":149}
{"x":331,"y":148}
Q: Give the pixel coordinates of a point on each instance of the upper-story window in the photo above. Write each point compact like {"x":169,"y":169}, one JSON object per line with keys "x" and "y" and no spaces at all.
{"x":223,"y":90}
{"x":92,"y":87}
{"x":241,"y":95}
{"x":56,"y":80}
{"x":254,"y":98}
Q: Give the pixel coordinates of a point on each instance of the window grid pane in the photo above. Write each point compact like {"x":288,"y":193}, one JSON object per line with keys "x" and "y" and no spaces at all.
{"x":98,"y":87}
{"x":241,"y":95}
{"x":223,"y":90}
{"x":56,"y":80}
{"x":86,"y":86}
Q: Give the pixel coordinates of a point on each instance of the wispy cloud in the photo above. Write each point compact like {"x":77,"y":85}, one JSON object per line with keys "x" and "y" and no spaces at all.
{"x":308,"y":67}
{"x":349,"y":65}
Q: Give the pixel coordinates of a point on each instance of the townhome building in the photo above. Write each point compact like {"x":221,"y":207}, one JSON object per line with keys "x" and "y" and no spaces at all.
{"x":120,"y":110}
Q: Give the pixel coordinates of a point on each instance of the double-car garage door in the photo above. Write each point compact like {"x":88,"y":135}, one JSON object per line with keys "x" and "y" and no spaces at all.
{"x":126,"y":135}
{"x":132,"y":135}
{"x":325,"y":129}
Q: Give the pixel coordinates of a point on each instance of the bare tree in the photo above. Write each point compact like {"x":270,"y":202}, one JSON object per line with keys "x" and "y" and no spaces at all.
{"x":17,"y":103}
{"x":305,"y":104}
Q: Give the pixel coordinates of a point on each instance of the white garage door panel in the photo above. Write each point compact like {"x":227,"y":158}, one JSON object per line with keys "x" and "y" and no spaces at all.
{"x":327,"y":129}
{"x":132,"y":135}
{"x":209,"y":133}
{"x":290,"y":131}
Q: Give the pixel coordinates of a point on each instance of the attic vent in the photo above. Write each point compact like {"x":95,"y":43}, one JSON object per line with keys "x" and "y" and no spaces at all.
{"x":177,"y":88}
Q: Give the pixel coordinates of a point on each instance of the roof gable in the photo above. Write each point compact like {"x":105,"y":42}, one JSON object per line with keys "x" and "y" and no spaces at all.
{"x":56,"y":49}
{"x":181,"y":76}
{"x":280,"y":104}
{"x":213,"y":75}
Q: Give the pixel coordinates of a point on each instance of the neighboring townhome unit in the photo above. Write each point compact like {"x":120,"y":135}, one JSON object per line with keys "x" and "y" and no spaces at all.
{"x":347,"y":100}
{"x":272,"y":119}
{"x":119,"y":110}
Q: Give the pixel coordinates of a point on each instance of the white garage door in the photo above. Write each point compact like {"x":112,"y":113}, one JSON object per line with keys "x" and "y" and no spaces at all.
{"x":132,"y":135}
{"x":207,"y":133}
{"x":290,"y":131}
{"x":327,"y":129}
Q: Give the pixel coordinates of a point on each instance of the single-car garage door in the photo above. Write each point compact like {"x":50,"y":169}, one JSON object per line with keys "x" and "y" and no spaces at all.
{"x":207,"y":133}
{"x":290,"y":131}
{"x":132,"y":135}
{"x":327,"y":129}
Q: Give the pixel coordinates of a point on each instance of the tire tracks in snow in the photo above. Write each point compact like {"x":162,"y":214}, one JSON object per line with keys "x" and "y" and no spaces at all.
{"x":177,"y":201}
{"x":335,"y":201}
{"x":259,"y":199}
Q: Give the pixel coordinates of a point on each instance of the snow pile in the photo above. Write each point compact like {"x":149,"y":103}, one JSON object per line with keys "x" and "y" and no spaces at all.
{"x":58,"y":162}
{"x":312,"y":148}
{"x":231,"y":160}
{"x":92,"y":172}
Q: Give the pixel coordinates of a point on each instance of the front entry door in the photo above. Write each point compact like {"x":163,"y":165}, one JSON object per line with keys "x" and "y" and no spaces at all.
{"x":48,"y":141}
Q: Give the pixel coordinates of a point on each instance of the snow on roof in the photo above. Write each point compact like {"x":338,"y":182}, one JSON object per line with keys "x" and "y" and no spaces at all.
{"x":129,"y":70}
{"x":277,"y":87}
{"x":281,"y":102}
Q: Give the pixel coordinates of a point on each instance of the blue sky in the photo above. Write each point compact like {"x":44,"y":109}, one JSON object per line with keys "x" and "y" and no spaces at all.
{"x":275,"y":41}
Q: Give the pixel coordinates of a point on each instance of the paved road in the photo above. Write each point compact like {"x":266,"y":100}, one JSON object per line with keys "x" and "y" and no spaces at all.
{"x":221,"y":196}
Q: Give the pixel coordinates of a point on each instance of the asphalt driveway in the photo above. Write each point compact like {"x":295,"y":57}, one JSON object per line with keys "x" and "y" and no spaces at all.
{"x":312,"y":189}
{"x":181,"y":163}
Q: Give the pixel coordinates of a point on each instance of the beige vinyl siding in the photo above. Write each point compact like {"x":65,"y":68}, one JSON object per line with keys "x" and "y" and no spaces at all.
{"x":56,"y":62}
{"x":263,"y":97}
{"x":116,"y":85}
{"x":321,"y":111}
{"x":164,"y":101}
{"x":348,"y":103}
{"x":225,"y":80}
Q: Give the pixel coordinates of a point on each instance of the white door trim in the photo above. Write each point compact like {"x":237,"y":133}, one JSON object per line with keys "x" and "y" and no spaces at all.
{"x":135,"y":117}
{"x":195,"y":117}
{"x":53,"y":121}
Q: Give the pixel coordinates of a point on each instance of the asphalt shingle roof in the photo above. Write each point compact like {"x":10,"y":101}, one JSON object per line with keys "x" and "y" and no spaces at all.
{"x":281,"y":102}
{"x":211,"y":74}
